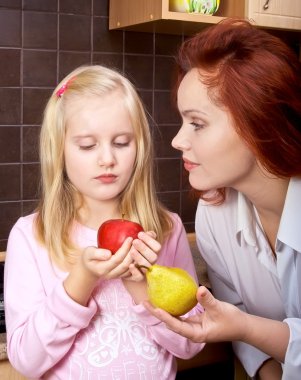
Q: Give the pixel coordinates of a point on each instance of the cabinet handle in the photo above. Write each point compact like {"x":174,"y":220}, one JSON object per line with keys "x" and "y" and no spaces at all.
{"x":266,"y":5}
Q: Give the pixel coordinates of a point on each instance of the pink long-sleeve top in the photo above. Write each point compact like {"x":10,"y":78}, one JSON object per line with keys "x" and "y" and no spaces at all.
{"x":50,"y":336}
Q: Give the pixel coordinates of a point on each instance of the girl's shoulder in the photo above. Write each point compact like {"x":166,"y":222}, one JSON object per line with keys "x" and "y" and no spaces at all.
{"x":173,"y":215}
{"x":22,"y":238}
{"x":26,"y":221}
{"x":177,"y":222}
{"x":177,"y":232}
{"x":24,"y":225}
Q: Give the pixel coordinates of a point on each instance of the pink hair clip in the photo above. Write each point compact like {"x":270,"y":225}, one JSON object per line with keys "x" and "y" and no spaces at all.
{"x":63,"y":88}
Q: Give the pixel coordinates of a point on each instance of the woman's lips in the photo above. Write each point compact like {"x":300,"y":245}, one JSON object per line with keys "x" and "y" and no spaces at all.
{"x":107,"y":178}
{"x":189,"y":165}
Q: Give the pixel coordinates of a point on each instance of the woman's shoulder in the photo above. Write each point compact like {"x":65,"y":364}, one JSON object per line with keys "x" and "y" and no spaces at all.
{"x":213,"y":218}
{"x":230,"y":203}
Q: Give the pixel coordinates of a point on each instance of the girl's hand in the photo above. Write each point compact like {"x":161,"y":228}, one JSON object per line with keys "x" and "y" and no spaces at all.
{"x":144,"y":253}
{"x":101,"y":264}
{"x":219,"y":322}
{"x":95,"y":264}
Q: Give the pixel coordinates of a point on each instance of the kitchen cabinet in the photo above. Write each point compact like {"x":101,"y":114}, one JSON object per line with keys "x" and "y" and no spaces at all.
{"x":159,"y":15}
{"x":280,"y":14}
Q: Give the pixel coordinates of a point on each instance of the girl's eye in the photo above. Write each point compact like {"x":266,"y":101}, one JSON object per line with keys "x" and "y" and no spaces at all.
{"x":121,"y":144}
{"x":86,"y":147}
{"x":197,"y":125}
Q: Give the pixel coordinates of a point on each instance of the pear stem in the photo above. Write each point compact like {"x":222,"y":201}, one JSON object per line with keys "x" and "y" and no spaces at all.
{"x":142,"y":266}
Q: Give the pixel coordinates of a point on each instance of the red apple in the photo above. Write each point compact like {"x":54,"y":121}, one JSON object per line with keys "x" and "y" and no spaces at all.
{"x":112,"y":233}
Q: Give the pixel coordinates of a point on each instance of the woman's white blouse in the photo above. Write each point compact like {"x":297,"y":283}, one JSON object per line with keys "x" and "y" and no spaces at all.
{"x":243,"y":270}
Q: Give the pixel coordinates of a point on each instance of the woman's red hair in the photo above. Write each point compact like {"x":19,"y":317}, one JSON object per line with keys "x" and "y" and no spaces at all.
{"x":256,"y":77}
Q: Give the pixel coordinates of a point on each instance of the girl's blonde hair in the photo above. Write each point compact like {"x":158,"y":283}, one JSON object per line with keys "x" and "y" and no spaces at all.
{"x":57,"y":209}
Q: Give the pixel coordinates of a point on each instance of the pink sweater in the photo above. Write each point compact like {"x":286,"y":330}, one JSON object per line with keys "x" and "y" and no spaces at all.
{"x":50,"y":336}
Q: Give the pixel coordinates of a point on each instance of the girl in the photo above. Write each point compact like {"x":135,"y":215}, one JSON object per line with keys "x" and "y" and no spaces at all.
{"x":239,"y":94}
{"x":74,"y":311}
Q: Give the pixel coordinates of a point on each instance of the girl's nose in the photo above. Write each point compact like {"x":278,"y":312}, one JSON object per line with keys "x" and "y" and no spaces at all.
{"x":180,"y":141}
{"x":106,"y":157}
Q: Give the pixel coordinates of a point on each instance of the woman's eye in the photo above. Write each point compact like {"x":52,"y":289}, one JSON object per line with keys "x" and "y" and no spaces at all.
{"x":197,"y":125}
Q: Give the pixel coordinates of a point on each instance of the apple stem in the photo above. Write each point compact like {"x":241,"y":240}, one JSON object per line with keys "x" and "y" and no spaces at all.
{"x":122,"y":215}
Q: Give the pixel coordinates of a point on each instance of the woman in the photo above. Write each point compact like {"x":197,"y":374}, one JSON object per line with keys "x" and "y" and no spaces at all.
{"x":239,"y":97}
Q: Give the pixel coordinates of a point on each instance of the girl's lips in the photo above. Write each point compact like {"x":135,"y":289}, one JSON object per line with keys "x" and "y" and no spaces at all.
{"x":189,"y":165}
{"x":107,"y":178}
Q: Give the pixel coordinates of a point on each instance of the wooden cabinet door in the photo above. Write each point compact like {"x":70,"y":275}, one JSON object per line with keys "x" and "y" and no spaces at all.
{"x":281,"y":14}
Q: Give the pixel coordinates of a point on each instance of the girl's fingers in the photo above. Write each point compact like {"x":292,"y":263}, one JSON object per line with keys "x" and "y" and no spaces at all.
{"x":122,"y":260}
{"x":142,"y":253}
{"x":140,"y":260}
{"x":117,"y":266}
{"x":152,"y":234}
{"x":102,"y":254}
{"x":149,"y":239}
{"x":93,"y":253}
{"x":136,"y":273}
{"x":124,"y":249}
{"x":126,"y":274}
{"x":126,"y":261}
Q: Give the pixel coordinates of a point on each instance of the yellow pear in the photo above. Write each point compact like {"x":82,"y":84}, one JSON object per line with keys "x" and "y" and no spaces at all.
{"x":171,"y":289}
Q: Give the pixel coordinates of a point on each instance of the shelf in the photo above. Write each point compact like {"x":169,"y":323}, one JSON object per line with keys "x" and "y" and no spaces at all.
{"x":156,"y":16}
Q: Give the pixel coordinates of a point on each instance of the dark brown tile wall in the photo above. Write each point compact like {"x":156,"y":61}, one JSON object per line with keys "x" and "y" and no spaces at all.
{"x":42,"y":41}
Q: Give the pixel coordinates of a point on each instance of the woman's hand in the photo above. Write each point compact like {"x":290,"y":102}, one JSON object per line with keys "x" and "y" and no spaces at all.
{"x":222,"y":321}
{"x":219,"y":322}
{"x":270,"y":370}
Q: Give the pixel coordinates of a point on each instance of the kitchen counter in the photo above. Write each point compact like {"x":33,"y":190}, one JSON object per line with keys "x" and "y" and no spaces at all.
{"x":200,"y":264}
{"x":3,"y":354}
